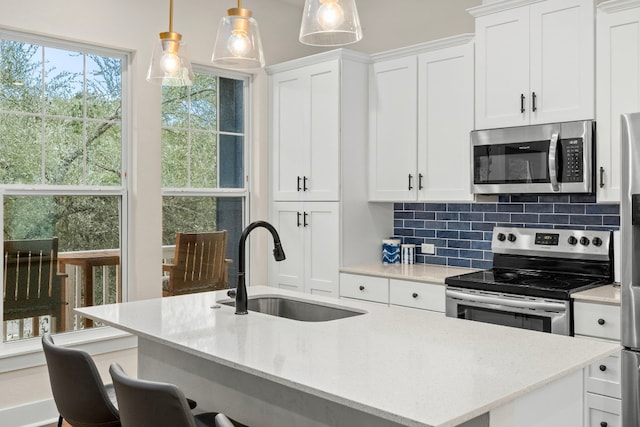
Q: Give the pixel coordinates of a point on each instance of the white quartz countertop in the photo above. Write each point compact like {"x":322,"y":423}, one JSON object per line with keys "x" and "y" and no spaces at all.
{"x":609,"y":294}
{"x":409,"y":366}
{"x":415,"y":272}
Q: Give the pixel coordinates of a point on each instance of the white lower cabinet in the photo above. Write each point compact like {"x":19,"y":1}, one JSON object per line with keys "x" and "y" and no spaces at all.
{"x":602,"y":378}
{"x":367,"y":288}
{"x":425,"y":296}
{"x":602,"y":411}
{"x":405,"y":293}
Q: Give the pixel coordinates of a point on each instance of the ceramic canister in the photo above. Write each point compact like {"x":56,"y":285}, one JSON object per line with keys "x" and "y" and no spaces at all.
{"x":391,"y":251}
{"x":408,"y":253}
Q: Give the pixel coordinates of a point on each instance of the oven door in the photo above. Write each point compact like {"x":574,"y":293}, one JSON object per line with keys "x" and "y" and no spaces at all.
{"x":538,"y":314}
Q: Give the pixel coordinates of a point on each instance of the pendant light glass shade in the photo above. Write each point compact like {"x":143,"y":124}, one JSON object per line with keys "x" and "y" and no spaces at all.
{"x":238,"y":43}
{"x":170,"y":64}
{"x":330,"y":23}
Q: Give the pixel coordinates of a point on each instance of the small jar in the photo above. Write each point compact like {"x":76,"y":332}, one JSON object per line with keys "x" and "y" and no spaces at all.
{"x":391,"y":251}
{"x":408,"y":253}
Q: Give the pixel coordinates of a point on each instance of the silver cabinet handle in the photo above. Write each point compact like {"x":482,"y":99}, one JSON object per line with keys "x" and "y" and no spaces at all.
{"x":553,"y":162}
{"x":522,"y":103}
{"x":410,"y":178}
{"x":601,"y":177}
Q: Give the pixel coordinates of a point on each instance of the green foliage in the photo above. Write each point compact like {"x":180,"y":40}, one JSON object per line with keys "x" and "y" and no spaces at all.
{"x":60,"y":125}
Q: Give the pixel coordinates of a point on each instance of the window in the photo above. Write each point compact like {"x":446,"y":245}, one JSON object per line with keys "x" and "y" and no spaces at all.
{"x":62,"y":145}
{"x":203,"y":158}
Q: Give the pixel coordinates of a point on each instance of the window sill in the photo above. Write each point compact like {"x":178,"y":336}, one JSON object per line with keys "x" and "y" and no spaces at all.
{"x":28,"y":353}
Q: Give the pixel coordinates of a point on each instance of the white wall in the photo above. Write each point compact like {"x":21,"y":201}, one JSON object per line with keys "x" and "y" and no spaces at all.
{"x":133,"y":26}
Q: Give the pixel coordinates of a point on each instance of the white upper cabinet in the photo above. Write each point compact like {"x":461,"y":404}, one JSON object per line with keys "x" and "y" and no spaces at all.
{"x":534,"y":62}
{"x":617,"y":87}
{"x":393,"y":129}
{"x":421,"y":113}
{"x":445,"y":118}
{"x":306,"y":133}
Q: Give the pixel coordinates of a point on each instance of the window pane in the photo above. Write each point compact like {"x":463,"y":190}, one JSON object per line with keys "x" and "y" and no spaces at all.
{"x":104,"y":158}
{"x":174,"y":158}
{"x":231,"y":161}
{"x":81,"y":224}
{"x":104,"y":87}
{"x":202,"y":214}
{"x":203,"y":160}
{"x":64,"y":152}
{"x":20,"y":149}
{"x":231,"y":105}
{"x":20,"y":76}
{"x":203,"y":102}
{"x":64,"y":72}
{"x":175,"y":107}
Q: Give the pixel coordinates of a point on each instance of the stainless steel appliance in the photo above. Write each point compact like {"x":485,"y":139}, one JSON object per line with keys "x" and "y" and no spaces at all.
{"x":534,"y":273}
{"x":549,"y":158}
{"x":630,"y":268}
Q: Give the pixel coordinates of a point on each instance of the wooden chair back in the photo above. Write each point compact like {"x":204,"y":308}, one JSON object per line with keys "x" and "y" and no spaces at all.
{"x":32,"y":285}
{"x":199,"y":263}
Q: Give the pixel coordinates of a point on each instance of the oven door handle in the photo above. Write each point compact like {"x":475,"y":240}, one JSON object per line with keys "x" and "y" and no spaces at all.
{"x":506,"y":302}
{"x":553,"y":162}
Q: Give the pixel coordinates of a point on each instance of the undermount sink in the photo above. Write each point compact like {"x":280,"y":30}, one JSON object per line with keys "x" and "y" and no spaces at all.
{"x":304,"y":311}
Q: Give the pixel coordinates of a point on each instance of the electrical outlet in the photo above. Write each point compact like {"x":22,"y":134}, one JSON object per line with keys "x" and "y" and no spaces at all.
{"x":428,"y":248}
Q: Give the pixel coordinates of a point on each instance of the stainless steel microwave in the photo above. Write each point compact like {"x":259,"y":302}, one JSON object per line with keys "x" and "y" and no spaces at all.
{"x":548,"y":158}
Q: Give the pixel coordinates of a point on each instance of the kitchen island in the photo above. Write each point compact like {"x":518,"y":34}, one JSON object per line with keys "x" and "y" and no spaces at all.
{"x":390,"y":366}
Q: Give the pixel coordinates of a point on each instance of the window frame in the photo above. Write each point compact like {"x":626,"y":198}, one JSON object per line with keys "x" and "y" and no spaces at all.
{"x":218,"y":192}
{"x":25,"y":353}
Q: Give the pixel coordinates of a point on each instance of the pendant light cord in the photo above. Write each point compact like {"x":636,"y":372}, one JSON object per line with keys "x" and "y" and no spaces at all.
{"x":171,"y":16}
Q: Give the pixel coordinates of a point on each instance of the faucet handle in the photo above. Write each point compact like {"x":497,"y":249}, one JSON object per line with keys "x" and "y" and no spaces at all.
{"x":231,"y":293}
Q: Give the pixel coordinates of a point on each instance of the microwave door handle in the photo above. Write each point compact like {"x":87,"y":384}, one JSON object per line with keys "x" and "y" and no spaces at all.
{"x":553,"y":162}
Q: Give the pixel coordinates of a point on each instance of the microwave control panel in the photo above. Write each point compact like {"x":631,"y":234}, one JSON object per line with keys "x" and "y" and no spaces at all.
{"x":571,"y":160}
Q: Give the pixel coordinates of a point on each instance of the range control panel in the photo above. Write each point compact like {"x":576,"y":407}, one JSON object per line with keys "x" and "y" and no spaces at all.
{"x":585,"y":244}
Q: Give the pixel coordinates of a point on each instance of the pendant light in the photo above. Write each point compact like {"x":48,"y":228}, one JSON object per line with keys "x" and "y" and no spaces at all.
{"x":330,"y":23}
{"x":170,"y":64}
{"x":238,"y":43}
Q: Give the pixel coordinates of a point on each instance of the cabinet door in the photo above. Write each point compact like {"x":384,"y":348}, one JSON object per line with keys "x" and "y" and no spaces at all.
{"x":289,"y":274}
{"x":323,"y":175}
{"x":445,"y":111}
{"x":290,"y":135}
{"x":562,"y":61}
{"x":322,"y":248}
{"x":618,"y":91}
{"x":393,"y":130}
{"x":502,"y":69}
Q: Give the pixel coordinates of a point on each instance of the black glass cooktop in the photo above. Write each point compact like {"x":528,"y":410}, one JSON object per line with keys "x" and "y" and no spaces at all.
{"x":523,"y":282}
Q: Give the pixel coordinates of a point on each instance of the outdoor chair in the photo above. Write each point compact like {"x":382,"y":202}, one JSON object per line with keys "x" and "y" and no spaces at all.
{"x":199,"y":264}
{"x":32,"y":283}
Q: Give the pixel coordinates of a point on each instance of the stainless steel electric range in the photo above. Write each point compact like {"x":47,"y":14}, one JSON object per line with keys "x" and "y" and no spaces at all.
{"x":534,"y":273}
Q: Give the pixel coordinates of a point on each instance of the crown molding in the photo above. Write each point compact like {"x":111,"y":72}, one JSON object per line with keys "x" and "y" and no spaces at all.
{"x":429,"y":46}
{"x":613,"y":6}
{"x":319,"y":58}
{"x":499,"y":6}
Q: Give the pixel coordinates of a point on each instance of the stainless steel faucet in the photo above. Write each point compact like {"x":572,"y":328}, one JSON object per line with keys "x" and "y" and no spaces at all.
{"x":278,"y":254}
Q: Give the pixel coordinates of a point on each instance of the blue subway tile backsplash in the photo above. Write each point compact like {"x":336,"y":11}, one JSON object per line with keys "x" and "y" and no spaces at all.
{"x":462,"y":232}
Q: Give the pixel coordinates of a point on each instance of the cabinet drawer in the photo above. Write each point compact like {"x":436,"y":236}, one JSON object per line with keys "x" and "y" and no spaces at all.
{"x":603,"y":377}
{"x":421,"y":295}
{"x":364,"y":287}
{"x":603,"y":411}
{"x":597,"y":320}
